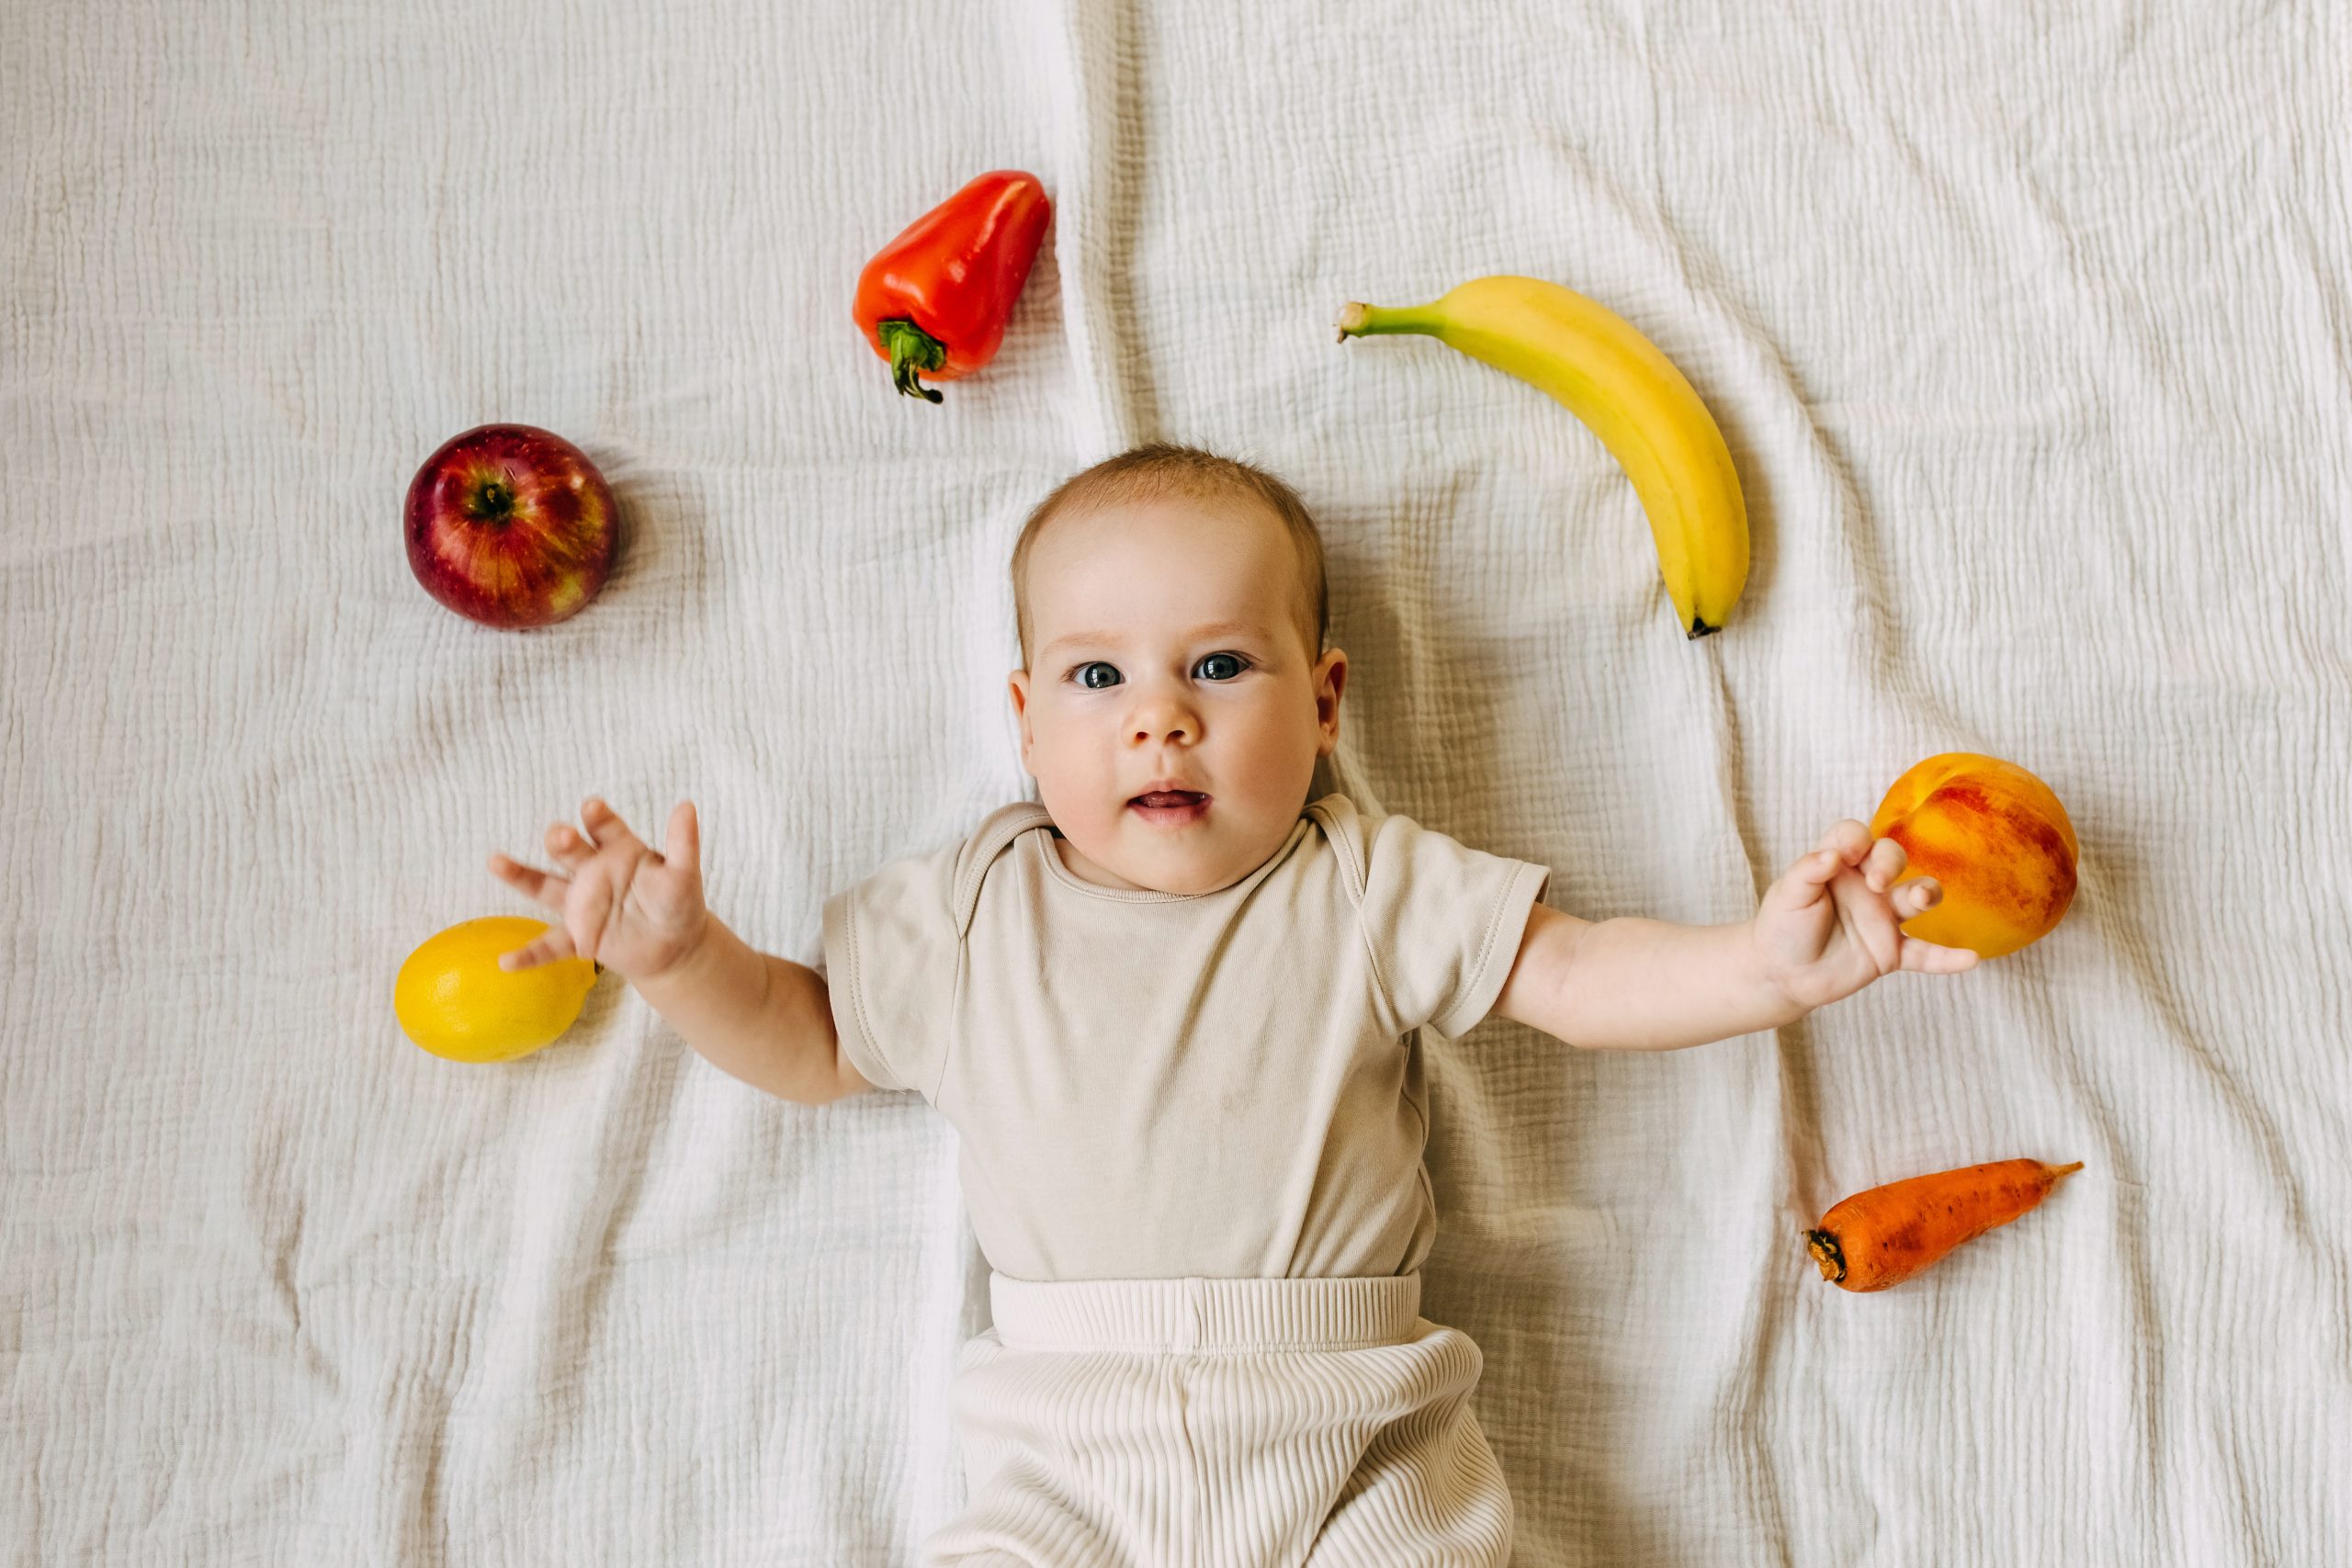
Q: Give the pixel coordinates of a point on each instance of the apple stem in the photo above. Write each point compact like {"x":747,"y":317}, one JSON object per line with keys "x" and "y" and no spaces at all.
{"x":912,"y":351}
{"x":492,"y":502}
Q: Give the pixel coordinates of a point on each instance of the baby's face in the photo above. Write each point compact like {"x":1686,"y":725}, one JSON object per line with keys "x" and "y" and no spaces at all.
{"x":1166,"y":649}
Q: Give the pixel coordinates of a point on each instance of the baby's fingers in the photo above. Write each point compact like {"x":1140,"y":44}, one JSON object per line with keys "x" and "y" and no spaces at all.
{"x":1804,"y":881}
{"x":604,"y":826}
{"x":683,"y":847}
{"x":1847,"y":838}
{"x":1917,"y":897}
{"x":1927,"y":958}
{"x":1845,"y":843}
{"x":572,"y":850}
{"x":538,"y":885}
{"x":556,"y":945}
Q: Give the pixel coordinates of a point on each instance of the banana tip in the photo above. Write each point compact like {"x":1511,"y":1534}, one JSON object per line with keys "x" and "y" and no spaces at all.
{"x":1350,"y":318}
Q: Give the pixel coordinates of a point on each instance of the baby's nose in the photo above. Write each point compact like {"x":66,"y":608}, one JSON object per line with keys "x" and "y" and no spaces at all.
{"x":1162,"y":714}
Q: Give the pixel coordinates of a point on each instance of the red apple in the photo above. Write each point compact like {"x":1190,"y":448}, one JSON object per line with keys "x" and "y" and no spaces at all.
{"x":511,"y":526}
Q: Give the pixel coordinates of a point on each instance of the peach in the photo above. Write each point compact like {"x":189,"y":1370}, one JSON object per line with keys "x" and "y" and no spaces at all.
{"x":1996,"y":837}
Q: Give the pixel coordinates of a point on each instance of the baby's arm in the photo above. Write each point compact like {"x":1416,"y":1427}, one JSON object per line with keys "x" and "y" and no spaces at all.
{"x":1828,"y":926}
{"x":762,"y":1018}
{"x":1631,"y":984}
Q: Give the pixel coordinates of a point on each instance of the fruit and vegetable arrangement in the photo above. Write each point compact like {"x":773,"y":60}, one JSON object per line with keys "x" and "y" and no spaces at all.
{"x":454,"y":999}
{"x":512,"y":526}
{"x":1882,"y":1237}
{"x":935,"y":300}
{"x":1645,"y":411}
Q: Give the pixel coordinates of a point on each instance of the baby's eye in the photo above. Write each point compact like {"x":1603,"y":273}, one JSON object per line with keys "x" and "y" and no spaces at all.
{"x":1235,"y":659}
{"x":1084,"y":674}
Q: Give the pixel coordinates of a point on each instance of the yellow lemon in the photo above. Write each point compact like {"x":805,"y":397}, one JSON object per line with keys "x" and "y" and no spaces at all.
{"x":456,"y":1001}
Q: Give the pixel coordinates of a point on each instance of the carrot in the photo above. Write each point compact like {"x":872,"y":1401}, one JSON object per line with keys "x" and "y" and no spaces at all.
{"x":1884,"y":1236}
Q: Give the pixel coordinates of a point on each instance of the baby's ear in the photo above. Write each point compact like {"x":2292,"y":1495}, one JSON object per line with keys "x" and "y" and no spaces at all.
{"x":1017,"y":685}
{"x":1334,"y":664}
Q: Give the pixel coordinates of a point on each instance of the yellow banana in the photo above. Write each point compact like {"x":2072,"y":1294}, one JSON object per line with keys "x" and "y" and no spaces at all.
{"x":1643,"y":408}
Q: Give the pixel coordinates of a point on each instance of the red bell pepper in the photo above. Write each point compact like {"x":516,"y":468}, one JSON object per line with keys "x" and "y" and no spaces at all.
{"x":937,"y":298}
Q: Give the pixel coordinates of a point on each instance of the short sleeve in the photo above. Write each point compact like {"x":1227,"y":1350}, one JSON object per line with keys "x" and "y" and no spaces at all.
{"x":893,"y":958}
{"x":1443,"y":921}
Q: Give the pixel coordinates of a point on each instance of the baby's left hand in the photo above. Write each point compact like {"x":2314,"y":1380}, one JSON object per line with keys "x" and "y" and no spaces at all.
{"x":1833,"y":922}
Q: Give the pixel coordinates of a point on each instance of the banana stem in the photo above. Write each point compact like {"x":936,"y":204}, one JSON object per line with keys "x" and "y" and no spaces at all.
{"x":1359,"y":319}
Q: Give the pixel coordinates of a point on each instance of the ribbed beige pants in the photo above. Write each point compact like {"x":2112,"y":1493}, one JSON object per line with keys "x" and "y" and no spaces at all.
{"x":1221,"y":1423}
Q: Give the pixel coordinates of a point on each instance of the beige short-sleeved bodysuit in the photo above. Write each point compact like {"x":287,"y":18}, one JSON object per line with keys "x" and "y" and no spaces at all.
{"x":1152,"y":1085}
{"x":1191,"y":1135}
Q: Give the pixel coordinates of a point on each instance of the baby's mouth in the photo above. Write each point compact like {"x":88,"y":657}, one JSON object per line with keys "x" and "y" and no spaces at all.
{"x":1170,"y":797}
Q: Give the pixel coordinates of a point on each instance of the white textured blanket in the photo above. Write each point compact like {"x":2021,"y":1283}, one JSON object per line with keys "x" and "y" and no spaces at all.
{"x":2031,"y":332}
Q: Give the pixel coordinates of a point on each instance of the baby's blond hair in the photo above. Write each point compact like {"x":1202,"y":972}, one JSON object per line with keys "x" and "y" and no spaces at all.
{"x":1158,"y":469}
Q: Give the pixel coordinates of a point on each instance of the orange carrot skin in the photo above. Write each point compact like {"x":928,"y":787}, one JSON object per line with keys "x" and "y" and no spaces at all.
{"x":1884,"y":1235}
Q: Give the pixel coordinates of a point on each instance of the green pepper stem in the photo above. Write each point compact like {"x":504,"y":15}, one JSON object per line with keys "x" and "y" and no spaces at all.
{"x":912,"y":351}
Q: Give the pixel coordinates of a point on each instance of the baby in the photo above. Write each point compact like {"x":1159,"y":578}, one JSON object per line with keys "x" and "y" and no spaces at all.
{"x":1173,"y":1011}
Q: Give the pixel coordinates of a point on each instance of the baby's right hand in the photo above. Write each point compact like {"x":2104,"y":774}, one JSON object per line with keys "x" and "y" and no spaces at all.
{"x":622,"y":904}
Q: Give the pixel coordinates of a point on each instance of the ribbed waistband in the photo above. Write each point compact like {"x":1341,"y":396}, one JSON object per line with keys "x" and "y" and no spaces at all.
{"x":1204,"y":1315}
